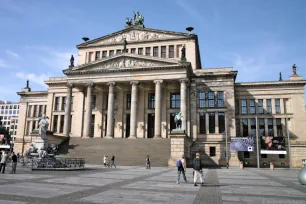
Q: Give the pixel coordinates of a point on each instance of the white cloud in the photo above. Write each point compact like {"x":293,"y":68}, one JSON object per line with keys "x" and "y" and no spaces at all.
{"x":57,"y":59}
{"x":3,"y":64}
{"x":12,"y":54}
{"x":191,"y":11}
{"x":38,"y":79}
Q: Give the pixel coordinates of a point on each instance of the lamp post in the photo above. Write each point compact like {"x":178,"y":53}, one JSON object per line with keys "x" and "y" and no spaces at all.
{"x":257,"y":143}
{"x":226,"y":153}
{"x":289,"y":148}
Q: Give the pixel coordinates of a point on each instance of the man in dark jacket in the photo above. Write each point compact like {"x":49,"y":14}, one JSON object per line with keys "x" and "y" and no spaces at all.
{"x":14,"y":163}
{"x":197,"y":168}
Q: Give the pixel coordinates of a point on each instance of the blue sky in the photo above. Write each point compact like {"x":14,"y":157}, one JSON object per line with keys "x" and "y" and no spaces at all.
{"x":258,"y":38}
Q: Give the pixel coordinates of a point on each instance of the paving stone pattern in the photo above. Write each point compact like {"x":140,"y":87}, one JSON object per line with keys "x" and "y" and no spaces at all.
{"x":137,"y":185}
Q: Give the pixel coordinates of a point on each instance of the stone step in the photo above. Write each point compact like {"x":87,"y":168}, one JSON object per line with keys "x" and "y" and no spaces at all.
{"x":126,"y":151}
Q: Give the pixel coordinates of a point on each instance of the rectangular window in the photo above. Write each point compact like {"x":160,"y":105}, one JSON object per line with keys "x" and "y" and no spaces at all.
{"x":71,"y":104}
{"x":171,"y":51}
{"x":279,"y":127}
{"x":140,"y":51}
{"x":270,"y":127}
{"x":211,"y":99}
{"x":111,"y":53}
{"x":175,"y":100}
{"x":252,"y":106}
{"x":57,"y":103}
{"x":155,"y":51}
{"x":93,"y":101}
{"x":148,"y":51}
{"x":90,"y":57}
{"x":245,"y":130}
{"x":281,"y":156}
{"x":118,"y":52}
{"x":277,"y":106}
{"x":55,"y":120}
{"x":221,"y":118}
{"x":253,"y":126}
{"x":163,"y":52}
{"x":269,"y":106}
{"x":261,"y":122}
{"x":133,"y":50}
{"x":151,"y":100}
{"x":33,"y":125}
{"x":212,"y":123}
{"x":246,"y":155}
{"x":128,"y":101}
{"x":62,"y":124}
{"x":202,"y":100}
{"x":63,"y":103}
{"x":104,"y":54}
{"x":40,"y":111}
{"x":202,"y":123}
{"x":35,"y":111}
{"x":260,"y":106}
{"x":244,"y":107}
{"x":220,"y":99}
{"x":97,"y":55}
{"x":45,"y":110}
{"x":212,"y":151}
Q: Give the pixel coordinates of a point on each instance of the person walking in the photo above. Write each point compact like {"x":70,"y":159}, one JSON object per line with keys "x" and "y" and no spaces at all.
{"x":148,"y":162}
{"x":113,"y":162}
{"x":3,"y":161}
{"x":181,"y":168}
{"x":197,"y":168}
{"x":105,"y":160}
{"x":14,"y":163}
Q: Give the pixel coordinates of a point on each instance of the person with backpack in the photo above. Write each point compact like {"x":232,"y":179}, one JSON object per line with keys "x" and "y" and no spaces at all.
{"x":197,"y":168}
{"x":148,"y":162}
{"x":181,"y":168}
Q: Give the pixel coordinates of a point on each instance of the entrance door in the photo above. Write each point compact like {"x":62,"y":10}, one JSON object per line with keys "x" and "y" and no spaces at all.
{"x":92,"y":128}
{"x":127,"y":125}
{"x":151,"y":119}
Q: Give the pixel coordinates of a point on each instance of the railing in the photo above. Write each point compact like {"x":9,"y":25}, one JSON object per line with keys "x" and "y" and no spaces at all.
{"x":52,"y":163}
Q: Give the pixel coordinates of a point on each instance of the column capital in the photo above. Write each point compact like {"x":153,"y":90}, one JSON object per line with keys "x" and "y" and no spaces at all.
{"x":69,"y":85}
{"x":158,"y":81}
{"x":111,"y":83}
{"x":90,"y":84}
{"x":184,"y":80}
{"x":134,"y":82}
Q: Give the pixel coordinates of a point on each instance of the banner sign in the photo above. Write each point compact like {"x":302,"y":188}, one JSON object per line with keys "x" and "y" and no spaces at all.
{"x":242,"y":144}
{"x":273,"y":145}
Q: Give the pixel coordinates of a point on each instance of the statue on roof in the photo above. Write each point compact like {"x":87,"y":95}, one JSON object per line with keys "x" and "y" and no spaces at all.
{"x":294,"y":70}
{"x":71,"y":61}
{"x":280,"y":77}
{"x":27,"y":84}
{"x":138,"y":18}
{"x":183,"y":53}
{"x":124,"y":45}
{"x":129,"y":21}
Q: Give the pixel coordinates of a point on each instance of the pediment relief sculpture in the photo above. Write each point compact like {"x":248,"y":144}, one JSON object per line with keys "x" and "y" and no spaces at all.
{"x":135,"y":35}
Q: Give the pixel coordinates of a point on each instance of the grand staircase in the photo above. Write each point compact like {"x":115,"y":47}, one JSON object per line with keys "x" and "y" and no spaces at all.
{"x":127,"y":152}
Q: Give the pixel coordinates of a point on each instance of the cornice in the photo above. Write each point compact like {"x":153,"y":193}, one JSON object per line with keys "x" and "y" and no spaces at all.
{"x":270,"y":83}
{"x":33,"y":93}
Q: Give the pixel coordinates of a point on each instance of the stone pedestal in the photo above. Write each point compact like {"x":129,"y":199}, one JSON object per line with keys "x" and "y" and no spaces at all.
{"x":180,"y":145}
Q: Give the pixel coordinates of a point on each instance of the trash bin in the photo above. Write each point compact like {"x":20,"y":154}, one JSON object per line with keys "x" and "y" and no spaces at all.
{"x":241,"y":165}
{"x":271,"y":166}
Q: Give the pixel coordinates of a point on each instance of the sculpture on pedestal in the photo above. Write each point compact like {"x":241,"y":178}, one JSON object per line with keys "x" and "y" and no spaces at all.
{"x":183,"y":54}
{"x":43,"y":127}
{"x":294,"y":70}
{"x":178,"y":120}
{"x":71,"y":61}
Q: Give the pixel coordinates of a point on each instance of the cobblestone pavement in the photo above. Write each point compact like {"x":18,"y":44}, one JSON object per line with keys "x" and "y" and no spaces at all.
{"x":131,"y":185}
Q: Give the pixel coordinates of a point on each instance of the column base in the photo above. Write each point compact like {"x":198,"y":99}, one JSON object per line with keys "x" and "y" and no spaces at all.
{"x":157,"y":137}
{"x":132,"y":137}
{"x":108,"y":137}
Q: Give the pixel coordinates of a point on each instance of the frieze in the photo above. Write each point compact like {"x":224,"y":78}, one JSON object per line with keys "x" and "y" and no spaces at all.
{"x":135,"y":35}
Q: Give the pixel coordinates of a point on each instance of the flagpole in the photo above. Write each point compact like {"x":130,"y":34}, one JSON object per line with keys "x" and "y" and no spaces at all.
{"x":257,"y":143}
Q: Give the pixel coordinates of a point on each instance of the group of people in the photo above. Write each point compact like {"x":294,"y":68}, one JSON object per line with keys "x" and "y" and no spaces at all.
{"x":109,"y":163}
{"x":197,"y":169}
{"x":4,"y":160}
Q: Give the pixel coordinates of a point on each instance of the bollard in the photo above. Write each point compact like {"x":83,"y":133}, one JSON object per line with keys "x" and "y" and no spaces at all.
{"x":241,"y":165}
{"x":271,"y":166}
{"x":302,"y":176}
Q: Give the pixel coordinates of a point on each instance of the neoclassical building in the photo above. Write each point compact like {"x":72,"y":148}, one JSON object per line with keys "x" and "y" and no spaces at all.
{"x":130,"y":83}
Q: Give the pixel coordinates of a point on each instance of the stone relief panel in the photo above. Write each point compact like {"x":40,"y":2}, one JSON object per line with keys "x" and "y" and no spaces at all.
{"x":135,"y":35}
{"x":126,"y":63}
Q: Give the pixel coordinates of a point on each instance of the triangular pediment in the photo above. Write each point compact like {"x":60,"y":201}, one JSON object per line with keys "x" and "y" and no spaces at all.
{"x":135,"y":34}
{"x":123,"y":62}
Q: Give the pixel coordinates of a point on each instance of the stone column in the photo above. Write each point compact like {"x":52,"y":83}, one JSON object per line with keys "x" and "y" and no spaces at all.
{"x":133,"y":119}
{"x":110,"y":110}
{"x":68,"y":110}
{"x":184,"y":103}
{"x":216,"y":122}
{"x":158,"y":106}
{"x":88,"y":108}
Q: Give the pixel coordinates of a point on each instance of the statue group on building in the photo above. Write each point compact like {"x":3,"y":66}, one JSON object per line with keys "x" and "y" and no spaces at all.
{"x":138,"y":19}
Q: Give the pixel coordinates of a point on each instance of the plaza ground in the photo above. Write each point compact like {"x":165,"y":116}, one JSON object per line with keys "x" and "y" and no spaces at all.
{"x":131,"y":185}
